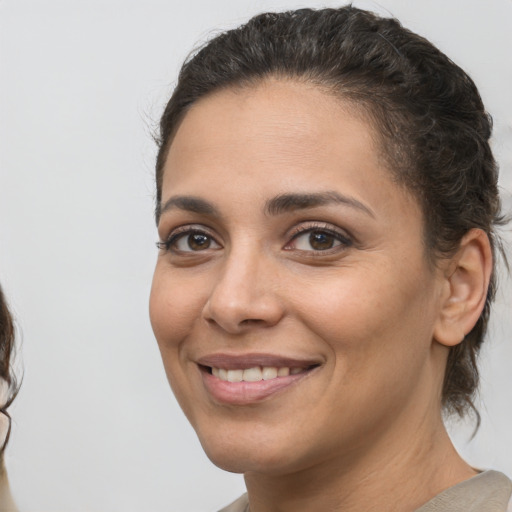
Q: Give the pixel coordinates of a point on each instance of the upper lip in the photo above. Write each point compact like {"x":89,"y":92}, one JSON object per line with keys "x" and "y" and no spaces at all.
{"x":245,"y":361}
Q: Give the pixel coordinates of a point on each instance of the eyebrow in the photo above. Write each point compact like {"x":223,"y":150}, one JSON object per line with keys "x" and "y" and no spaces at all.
{"x":189,"y":204}
{"x":285,"y":203}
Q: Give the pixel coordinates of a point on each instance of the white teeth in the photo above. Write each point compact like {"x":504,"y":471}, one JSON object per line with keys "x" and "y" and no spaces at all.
{"x":283,"y":372}
{"x":269,"y":372}
{"x":235,"y":375}
{"x":255,"y":374}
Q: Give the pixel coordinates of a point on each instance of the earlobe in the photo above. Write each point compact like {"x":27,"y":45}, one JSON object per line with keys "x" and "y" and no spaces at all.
{"x":465,"y":288}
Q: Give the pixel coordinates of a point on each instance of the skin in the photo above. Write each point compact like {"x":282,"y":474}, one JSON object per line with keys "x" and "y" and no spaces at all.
{"x":371,"y":312}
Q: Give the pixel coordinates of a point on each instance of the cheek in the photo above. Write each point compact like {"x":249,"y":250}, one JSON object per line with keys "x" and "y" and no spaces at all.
{"x":378,"y":332}
{"x":370,"y":314}
{"x":173,"y":311}
{"x":174,"y":307}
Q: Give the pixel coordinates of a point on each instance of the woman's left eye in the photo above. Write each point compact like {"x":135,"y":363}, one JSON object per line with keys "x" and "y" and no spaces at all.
{"x":317,"y":240}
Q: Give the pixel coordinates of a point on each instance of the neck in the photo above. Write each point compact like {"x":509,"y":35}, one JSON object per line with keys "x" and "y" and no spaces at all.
{"x":416,"y":467}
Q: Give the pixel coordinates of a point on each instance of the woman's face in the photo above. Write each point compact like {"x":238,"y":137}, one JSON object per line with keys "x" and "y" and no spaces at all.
{"x":292,"y":300}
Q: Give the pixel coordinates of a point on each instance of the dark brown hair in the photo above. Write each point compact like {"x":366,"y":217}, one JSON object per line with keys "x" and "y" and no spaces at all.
{"x":7,"y":337}
{"x":433,"y":126}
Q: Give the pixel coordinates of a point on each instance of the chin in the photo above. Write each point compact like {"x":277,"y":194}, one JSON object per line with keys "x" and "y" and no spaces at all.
{"x":228,"y":462}
{"x":239,"y":454}
{"x":254,"y":462}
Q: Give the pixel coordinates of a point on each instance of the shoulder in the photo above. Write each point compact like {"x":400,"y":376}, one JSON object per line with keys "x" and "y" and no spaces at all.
{"x":489,"y":491}
{"x":240,"y":505}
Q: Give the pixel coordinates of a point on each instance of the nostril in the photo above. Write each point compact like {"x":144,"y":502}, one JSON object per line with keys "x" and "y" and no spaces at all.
{"x":250,"y":321}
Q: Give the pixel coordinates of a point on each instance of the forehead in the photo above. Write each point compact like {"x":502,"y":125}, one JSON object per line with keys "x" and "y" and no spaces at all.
{"x":282,"y":120}
{"x":295,"y":109}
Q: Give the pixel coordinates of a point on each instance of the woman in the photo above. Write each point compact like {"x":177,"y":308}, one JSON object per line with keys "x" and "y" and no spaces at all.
{"x":326,"y":205}
{"x":9,"y":390}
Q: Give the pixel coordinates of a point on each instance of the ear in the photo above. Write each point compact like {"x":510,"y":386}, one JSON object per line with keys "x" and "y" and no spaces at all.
{"x":466,"y":280}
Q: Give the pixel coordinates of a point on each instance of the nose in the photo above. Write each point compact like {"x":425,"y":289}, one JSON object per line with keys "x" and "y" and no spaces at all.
{"x":244,"y":294}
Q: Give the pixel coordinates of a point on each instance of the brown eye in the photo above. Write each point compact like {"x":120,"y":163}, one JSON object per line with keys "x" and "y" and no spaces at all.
{"x":198,"y":241}
{"x":189,"y":241}
{"x":320,"y":241}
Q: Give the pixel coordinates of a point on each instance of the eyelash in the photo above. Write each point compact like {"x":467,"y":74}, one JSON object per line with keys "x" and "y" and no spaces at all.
{"x":321,"y":228}
{"x":183,"y":232}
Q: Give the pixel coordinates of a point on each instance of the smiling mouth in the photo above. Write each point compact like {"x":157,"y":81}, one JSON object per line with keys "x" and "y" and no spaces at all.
{"x":235,"y":382}
{"x":256,"y":373}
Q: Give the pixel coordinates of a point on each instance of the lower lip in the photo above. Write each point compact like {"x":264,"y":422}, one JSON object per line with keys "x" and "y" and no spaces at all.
{"x":245,"y":393}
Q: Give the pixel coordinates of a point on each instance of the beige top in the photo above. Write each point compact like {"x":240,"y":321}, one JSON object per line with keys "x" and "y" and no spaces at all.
{"x":489,"y":491}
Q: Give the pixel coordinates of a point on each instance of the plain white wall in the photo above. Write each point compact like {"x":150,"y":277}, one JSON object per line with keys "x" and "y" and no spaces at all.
{"x":82,"y":83}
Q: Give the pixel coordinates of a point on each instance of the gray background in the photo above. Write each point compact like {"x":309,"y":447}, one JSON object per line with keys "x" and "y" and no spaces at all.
{"x":81,"y":85}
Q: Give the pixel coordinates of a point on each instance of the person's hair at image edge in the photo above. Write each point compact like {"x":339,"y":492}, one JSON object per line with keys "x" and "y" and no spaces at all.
{"x":433,"y":127}
{"x":7,"y":376}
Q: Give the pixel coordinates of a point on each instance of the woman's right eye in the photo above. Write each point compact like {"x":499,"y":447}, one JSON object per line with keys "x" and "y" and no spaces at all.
{"x":189,"y":241}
